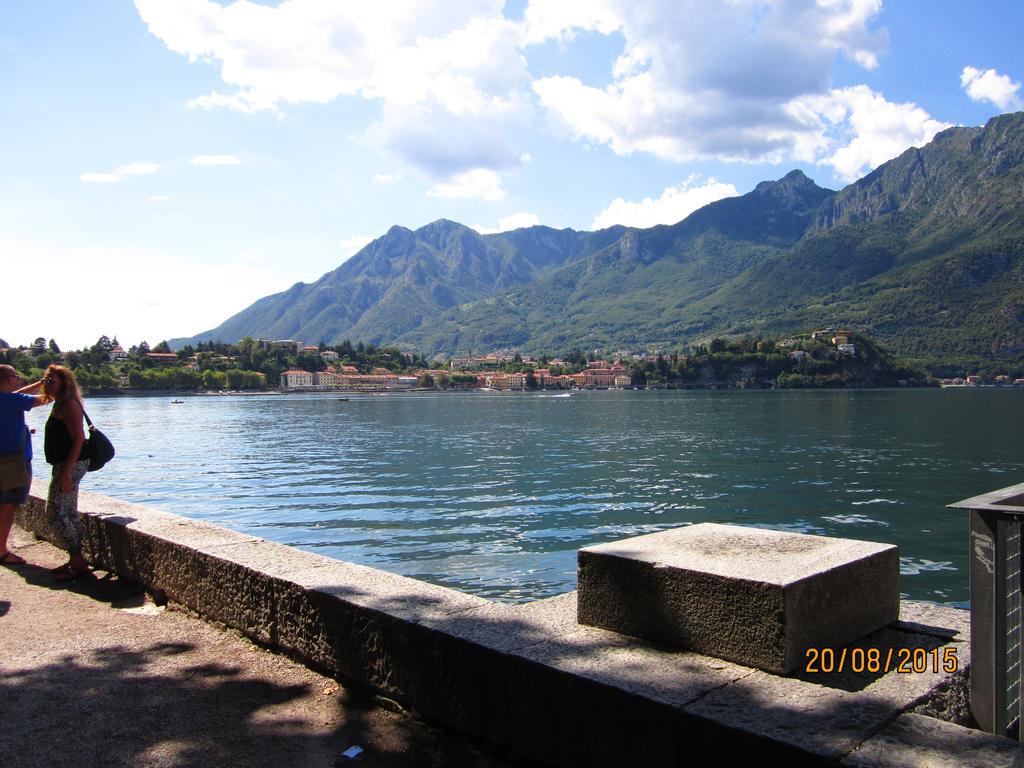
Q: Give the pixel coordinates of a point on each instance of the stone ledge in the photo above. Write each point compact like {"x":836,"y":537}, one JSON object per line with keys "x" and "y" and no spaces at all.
{"x":527,"y":677}
{"x":914,"y":740}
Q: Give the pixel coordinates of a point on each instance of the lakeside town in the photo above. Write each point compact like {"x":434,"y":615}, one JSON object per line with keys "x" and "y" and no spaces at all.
{"x":827,"y":357}
{"x":484,"y":372}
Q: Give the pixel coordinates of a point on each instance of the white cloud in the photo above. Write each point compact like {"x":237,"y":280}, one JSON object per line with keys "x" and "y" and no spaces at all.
{"x":385,"y":179}
{"x":675,"y":204}
{"x":317,"y":50}
{"x":477,"y":184}
{"x":991,"y":86}
{"x":353,"y":245}
{"x":562,"y":19}
{"x":458,"y":62}
{"x":203,"y":160}
{"x":520,"y":220}
{"x":714,"y":81}
{"x":247,"y":102}
{"x":868,"y":129}
{"x":122,"y":173}
{"x":158,"y":198}
{"x":745,"y":80}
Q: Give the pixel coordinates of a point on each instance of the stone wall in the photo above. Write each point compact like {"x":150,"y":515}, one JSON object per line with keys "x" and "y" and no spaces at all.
{"x":526,"y":677}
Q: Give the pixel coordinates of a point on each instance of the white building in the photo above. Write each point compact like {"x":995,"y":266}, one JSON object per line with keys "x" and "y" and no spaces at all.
{"x":296,"y":379}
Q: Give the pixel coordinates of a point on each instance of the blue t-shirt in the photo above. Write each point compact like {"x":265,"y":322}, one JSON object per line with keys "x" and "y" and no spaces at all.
{"x":12,"y":423}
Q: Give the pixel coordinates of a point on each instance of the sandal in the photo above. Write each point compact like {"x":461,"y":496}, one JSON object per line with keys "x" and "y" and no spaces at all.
{"x":9,"y":558}
{"x":59,"y":568}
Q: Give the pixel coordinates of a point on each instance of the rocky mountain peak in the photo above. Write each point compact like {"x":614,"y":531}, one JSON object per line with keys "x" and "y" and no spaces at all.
{"x":941,"y":176}
{"x":794,"y":191}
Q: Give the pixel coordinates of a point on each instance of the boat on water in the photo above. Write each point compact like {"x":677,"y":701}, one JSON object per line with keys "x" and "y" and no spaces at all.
{"x":177,"y":402}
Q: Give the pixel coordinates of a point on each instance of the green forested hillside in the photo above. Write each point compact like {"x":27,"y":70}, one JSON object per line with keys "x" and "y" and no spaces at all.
{"x":925,"y":254}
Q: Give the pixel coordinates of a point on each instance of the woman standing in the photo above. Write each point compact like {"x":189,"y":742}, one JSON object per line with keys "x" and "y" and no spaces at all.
{"x":63,"y":444}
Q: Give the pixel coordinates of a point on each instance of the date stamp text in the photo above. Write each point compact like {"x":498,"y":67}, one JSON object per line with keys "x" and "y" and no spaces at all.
{"x":901,"y":660}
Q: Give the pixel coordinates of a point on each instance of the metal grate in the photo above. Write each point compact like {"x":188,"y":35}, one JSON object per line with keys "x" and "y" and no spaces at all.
{"x":1013,"y":606}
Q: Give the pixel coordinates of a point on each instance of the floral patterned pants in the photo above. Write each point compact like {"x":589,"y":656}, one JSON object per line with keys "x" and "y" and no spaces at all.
{"x":62,"y":508}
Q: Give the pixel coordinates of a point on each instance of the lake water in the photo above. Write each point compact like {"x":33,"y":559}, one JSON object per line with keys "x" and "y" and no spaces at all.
{"x":493,"y":493}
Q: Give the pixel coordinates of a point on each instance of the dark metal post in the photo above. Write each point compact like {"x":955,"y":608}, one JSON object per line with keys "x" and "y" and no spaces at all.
{"x":988,"y":623}
{"x":996,"y":627}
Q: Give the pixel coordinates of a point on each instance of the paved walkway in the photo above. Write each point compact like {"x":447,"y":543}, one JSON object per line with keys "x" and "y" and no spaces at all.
{"x":92,"y":673}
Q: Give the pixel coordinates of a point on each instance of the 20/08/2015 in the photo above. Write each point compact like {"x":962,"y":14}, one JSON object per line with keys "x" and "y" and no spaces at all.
{"x":902,"y":660}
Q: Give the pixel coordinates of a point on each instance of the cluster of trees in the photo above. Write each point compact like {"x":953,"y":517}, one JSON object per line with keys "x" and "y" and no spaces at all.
{"x":762,"y":362}
{"x":249,"y":364}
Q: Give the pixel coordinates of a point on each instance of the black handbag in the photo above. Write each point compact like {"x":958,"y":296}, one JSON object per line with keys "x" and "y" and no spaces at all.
{"x":100,"y":449}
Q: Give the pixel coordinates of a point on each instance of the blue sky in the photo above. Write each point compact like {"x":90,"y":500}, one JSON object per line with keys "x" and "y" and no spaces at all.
{"x":165,"y":163}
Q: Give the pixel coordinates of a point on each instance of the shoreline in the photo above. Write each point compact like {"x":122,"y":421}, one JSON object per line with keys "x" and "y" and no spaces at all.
{"x":362,"y":394}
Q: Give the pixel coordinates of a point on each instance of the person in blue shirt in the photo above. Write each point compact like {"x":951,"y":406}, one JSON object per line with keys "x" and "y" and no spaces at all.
{"x":14,"y":439}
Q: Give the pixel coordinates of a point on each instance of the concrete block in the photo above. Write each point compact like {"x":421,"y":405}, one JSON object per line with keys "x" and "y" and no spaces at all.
{"x":757,"y":597}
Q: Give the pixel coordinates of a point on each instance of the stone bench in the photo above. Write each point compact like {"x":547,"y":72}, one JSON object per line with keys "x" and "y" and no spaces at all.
{"x":757,"y":597}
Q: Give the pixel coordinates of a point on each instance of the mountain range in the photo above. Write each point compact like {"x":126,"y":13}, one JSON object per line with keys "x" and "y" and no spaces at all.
{"x":926,"y":253}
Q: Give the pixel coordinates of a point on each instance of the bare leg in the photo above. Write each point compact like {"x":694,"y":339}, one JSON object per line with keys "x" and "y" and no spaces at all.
{"x":6,"y":522}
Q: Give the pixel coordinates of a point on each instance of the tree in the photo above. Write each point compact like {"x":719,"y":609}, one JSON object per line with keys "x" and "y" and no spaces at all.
{"x":53,"y":347}
{"x":310,"y":361}
{"x":531,"y":380}
{"x":662,"y":365}
{"x":46,"y":358}
{"x":163,"y":347}
{"x":272,"y":370}
{"x":215,"y":380}
{"x":103,"y":344}
{"x":39,"y":346}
